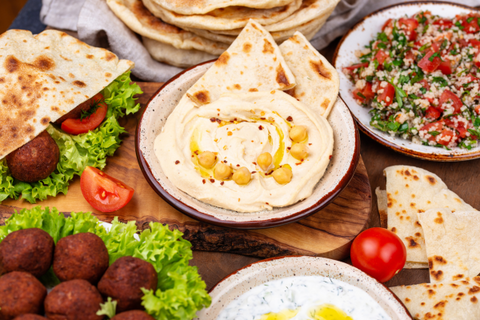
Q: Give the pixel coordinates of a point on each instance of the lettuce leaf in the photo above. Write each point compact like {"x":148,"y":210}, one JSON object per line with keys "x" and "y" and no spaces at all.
{"x":78,"y":151}
{"x":180,"y":293}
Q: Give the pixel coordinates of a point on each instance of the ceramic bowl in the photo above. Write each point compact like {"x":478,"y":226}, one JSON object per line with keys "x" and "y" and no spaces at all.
{"x":359,"y":36}
{"x":338,"y":174}
{"x":241,"y":281}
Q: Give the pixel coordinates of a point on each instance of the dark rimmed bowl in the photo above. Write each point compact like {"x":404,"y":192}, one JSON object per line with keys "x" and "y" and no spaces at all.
{"x":356,"y":39}
{"x":341,"y":169}
{"x":255,"y":274}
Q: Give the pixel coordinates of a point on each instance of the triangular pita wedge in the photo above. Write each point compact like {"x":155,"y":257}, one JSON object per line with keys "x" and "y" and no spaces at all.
{"x":450,"y":300}
{"x":317,"y":80}
{"x":411,"y":190}
{"x":252,"y":63}
{"x":452,"y":241}
{"x":45,"y":76}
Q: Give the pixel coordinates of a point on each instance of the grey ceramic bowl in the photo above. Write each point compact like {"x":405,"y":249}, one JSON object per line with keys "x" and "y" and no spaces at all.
{"x":337,"y":176}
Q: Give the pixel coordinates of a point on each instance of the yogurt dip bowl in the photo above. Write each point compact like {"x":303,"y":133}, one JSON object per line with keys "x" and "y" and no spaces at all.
{"x":337,"y":175}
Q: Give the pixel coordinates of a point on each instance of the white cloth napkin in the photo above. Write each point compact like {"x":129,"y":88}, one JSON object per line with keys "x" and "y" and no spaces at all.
{"x":98,"y":26}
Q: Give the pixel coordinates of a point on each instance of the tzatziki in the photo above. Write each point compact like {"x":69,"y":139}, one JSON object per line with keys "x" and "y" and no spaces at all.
{"x":302,"y":298}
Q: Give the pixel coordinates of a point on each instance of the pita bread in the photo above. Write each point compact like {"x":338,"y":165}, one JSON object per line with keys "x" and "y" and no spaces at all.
{"x":176,"y":57}
{"x":456,"y":300}
{"x":451,"y":240}
{"x":317,"y":80}
{"x":224,"y":19}
{"x":190,"y":7}
{"x":252,"y":63}
{"x":134,"y":14}
{"x":412,"y":190}
{"x":45,"y":76}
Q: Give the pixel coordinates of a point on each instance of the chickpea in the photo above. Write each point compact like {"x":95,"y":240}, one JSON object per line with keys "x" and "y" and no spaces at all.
{"x":282,"y":175}
{"x":264,"y":160}
{"x":222,"y":171}
{"x":298,"y":133}
{"x":242,"y":176}
{"x":299,"y":151}
{"x":207,"y":159}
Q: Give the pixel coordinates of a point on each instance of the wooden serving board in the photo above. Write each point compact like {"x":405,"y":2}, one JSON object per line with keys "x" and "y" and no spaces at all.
{"x":327,"y":233}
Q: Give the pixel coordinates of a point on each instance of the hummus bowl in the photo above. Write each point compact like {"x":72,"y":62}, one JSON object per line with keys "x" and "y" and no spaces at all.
{"x":337,"y":175}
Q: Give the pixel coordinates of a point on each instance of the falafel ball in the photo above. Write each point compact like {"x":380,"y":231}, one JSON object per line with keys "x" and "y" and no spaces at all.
{"x":73,"y":300}
{"x":80,"y":256}
{"x":20,"y":293}
{"x":132,"y":315}
{"x":35,"y":160}
{"x":29,"y":250}
{"x":123,"y":282}
{"x":30,"y":316}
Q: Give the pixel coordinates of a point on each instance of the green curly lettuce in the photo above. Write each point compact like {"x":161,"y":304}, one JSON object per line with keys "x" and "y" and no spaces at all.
{"x":180,"y":292}
{"x":78,"y":151}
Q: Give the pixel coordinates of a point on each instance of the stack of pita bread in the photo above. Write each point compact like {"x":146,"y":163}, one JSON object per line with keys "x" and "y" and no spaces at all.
{"x":440,"y":232}
{"x":184,"y":33}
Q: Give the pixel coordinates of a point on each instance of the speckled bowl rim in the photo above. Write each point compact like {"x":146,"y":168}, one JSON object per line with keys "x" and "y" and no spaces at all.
{"x":365,"y":128}
{"x":321,"y":259}
{"x":267,"y":223}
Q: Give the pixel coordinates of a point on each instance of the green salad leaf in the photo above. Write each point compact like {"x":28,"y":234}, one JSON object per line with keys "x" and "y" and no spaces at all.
{"x":180,"y":292}
{"x":78,"y":151}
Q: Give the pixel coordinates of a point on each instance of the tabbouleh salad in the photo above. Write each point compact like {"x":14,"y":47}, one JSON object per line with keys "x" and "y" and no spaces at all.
{"x":421,"y":78}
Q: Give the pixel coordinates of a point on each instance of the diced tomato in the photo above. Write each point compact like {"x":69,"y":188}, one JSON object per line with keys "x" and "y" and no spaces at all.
{"x":366,"y":92}
{"x":350,"y":69}
{"x":387,"y":95}
{"x":474,"y":43}
{"x":476,"y":60}
{"x":432,"y":113}
{"x":470,"y":79}
{"x":409,"y":25}
{"x":477,"y":109}
{"x":381,"y":56}
{"x":445,"y":137}
{"x":443,"y":36}
{"x":388,"y":24}
{"x":429,"y":66}
{"x":443,"y":23}
{"x":445,"y":67}
{"x":425,"y":84}
{"x":434,"y":126}
{"x":409,"y":55}
{"x":462,"y":42}
{"x":472,"y":26}
{"x":449,"y":95}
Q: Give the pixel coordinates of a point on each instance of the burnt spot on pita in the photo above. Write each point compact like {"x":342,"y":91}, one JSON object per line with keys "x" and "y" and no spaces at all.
{"x":418,"y":224}
{"x":422,"y":303}
{"x":65,"y":58}
{"x":247,"y":47}
{"x":454,"y":285}
{"x":223,"y":59}
{"x":45,"y":120}
{"x":253,"y":90}
{"x":267,"y":47}
{"x":325,"y":103}
{"x":44,"y":63}
{"x":109,"y":56}
{"x":108,"y":74}
{"x":54,"y":109}
{"x":458,"y":276}
{"x":281,"y":77}
{"x":407,"y":173}
{"x":89,"y":56}
{"x":79,"y":83}
{"x":474,"y":299}
{"x":237,"y":86}
{"x":295,"y":39}
{"x":2,"y":80}
{"x":415,"y":177}
{"x":439,"y":218}
{"x":431,"y":180}
{"x":319,"y":67}
{"x":11,"y":64}
{"x":441,"y":304}
{"x":394,"y":230}
{"x":407,"y":300}
{"x":202,"y":96}
{"x":431,"y":292}
{"x":291,"y":92}
{"x":473,"y":290}
{"x":71,"y":75}
{"x":411,"y":242}
{"x":418,"y":234}
{"x":437,"y":275}
{"x":412,"y":204}
{"x":255,"y":27}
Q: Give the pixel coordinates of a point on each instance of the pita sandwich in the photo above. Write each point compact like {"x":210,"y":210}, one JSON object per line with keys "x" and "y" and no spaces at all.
{"x":411,"y":190}
{"x":451,"y":239}
{"x":451,"y":300}
{"x":317,"y":80}
{"x":45,"y":76}
{"x":252,"y":63}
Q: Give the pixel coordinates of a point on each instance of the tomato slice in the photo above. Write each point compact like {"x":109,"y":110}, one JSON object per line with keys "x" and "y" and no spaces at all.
{"x":443,"y":23}
{"x":103,"y":192}
{"x":387,"y":95}
{"x":445,"y":67}
{"x":78,"y":126}
{"x":378,"y":252}
{"x":449,"y":95}
{"x":367,"y":92}
{"x":432,"y":113}
{"x":429,"y":66}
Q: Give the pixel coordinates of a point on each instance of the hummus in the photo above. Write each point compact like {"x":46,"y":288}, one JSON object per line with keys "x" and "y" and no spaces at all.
{"x":238,"y":128}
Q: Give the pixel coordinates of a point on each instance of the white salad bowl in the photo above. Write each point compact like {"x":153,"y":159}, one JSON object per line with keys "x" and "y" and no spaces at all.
{"x":356,"y":39}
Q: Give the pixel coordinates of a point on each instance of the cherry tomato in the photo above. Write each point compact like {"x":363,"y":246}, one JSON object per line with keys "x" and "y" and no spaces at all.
{"x":387,"y":95}
{"x":378,"y":252}
{"x":103,"y":192}
{"x":78,"y":126}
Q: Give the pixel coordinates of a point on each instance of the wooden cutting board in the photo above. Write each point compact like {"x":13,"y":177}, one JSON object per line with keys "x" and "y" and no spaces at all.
{"x":327,"y":233}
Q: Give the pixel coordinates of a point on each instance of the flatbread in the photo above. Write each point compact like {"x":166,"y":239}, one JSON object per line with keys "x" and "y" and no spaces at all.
{"x":134,"y":14}
{"x":317,"y":80}
{"x":451,"y":240}
{"x":176,"y":57}
{"x":252,"y":63}
{"x":451,"y":300}
{"x":412,"y":190}
{"x":224,"y":19}
{"x":190,"y":7}
{"x":45,"y":76}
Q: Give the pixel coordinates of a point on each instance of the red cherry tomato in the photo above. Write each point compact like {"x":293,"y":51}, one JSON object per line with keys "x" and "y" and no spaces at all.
{"x":103,"y":192}
{"x":387,"y":95}
{"x":378,"y":252}
{"x":78,"y":126}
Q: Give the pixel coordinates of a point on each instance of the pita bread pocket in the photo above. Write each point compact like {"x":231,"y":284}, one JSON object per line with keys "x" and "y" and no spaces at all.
{"x":44,"y":77}
{"x":412,"y":190}
{"x":451,"y":240}
{"x":442,"y":301}
{"x":253,"y":62}
{"x":317,"y":80}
